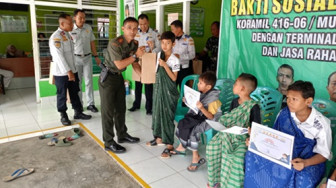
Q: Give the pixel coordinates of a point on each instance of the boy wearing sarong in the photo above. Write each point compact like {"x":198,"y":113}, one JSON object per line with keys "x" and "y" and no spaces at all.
{"x":312,"y":144}
{"x":225,"y":152}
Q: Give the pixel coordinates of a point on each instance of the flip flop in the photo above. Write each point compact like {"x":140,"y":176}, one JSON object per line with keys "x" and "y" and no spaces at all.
{"x":48,"y":135}
{"x":18,"y":173}
{"x":60,"y":142}
{"x":166,"y":151}
{"x":176,"y":152}
{"x":154,"y":143}
{"x":77,"y":134}
{"x":197,"y":165}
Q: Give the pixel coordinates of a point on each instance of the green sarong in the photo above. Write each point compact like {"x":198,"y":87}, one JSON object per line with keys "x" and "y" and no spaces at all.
{"x":164,"y":106}
{"x":226,"y":152}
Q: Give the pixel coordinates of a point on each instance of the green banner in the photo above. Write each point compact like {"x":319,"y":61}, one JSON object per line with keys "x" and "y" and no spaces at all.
{"x":257,"y":36}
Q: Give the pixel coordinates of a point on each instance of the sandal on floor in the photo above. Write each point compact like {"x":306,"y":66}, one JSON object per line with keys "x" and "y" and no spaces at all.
{"x":175,"y":152}
{"x":154,"y":143}
{"x":48,"y":135}
{"x":196,"y":165}
{"x":76,"y":135}
{"x":18,"y":173}
{"x":60,"y":142}
{"x":166,"y":153}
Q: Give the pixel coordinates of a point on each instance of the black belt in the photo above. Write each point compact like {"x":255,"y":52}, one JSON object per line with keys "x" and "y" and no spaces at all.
{"x":82,"y":55}
{"x":114,"y":73}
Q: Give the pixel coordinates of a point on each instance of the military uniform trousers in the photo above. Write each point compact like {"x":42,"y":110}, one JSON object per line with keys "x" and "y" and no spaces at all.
{"x":63,"y":84}
{"x":113,"y":107}
{"x":148,"y":94}
{"x":84,"y":68}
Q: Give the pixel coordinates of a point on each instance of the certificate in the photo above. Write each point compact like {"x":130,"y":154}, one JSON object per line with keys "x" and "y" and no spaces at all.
{"x":331,"y":184}
{"x":232,"y":130}
{"x":191,"y":97}
{"x":271,"y":144}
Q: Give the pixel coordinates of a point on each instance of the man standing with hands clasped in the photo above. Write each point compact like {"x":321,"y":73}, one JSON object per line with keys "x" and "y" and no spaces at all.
{"x":148,"y":38}
{"x":84,"y":47}
{"x":121,"y":52}
{"x":65,"y":72}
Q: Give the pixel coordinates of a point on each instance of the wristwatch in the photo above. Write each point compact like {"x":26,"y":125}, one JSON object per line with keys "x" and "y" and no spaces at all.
{"x":135,"y":57}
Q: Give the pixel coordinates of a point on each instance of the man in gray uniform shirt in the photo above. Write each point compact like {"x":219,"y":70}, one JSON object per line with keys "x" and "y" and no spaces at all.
{"x":148,"y":38}
{"x":84,"y":47}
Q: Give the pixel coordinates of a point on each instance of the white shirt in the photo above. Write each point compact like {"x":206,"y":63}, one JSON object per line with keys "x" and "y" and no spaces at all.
{"x":173,"y":62}
{"x":82,"y":38}
{"x":61,"y":49}
{"x":186,"y":49}
{"x":317,"y":127}
{"x":150,"y":35}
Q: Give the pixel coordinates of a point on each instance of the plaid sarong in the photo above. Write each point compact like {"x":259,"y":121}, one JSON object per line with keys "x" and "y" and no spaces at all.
{"x":225,"y":152}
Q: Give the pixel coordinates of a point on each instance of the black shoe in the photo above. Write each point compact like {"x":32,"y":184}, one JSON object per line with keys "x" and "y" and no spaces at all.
{"x":65,"y":119}
{"x":149,"y":113}
{"x":80,"y":115}
{"x":128,"y":138}
{"x":92,"y":108}
{"x":115,"y":148}
{"x":133,"y":109}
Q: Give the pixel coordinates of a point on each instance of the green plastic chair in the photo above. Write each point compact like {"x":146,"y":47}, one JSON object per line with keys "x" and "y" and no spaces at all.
{"x":328,"y":109}
{"x":182,"y":110}
{"x":225,"y":85}
{"x":270,"y":103}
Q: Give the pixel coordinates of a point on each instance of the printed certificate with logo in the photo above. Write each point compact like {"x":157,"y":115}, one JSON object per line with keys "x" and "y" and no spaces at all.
{"x":191,"y":97}
{"x":271,"y":144}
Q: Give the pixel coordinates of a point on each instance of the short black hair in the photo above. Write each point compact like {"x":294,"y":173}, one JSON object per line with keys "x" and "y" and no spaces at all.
{"x":216,"y":23}
{"x":130,"y":19}
{"x":43,"y":35}
{"x":168,"y":35}
{"x":177,"y":23}
{"x":63,"y":15}
{"x":250,"y":78}
{"x":142,"y":16}
{"x":78,"y":10}
{"x":305,"y":87}
{"x":330,"y":77}
{"x":209,"y":78}
{"x":287,"y":67}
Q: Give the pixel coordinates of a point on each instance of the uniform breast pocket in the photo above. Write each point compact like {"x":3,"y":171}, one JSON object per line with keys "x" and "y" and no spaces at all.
{"x":66,"y":45}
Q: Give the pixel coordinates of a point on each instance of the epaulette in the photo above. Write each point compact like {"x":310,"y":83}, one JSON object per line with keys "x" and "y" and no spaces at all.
{"x":120,"y":39}
{"x":187,"y":36}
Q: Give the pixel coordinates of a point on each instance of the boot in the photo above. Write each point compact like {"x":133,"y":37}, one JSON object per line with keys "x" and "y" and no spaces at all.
{"x":81,"y":115}
{"x":64,"y":119}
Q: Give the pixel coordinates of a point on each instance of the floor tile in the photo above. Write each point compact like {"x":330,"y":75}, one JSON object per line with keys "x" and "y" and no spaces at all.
{"x":175,"y":180}
{"x":21,"y":129}
{"x":152,"y":170}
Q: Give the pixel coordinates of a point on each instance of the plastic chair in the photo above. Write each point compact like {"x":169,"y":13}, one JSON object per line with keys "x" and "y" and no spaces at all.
{"x":2,"y":85}
{"x":225,"y":85}
{"x":270,"y":103}
{"x":328,"y":109}
{"x":182,"y":110}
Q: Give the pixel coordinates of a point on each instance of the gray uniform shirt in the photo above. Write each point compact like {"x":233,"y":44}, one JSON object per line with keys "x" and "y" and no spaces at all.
{"x":82,"y":38}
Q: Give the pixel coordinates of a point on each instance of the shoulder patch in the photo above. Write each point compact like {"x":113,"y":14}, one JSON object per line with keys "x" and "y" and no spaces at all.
{"x":57,"y":44}
{"x":120,"y":39}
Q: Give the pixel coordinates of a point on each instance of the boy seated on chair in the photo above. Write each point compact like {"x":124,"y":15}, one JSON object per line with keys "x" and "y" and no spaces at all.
{"x":225,"y":152}
{"x":193,"y":125}
{"x":311,"y":149}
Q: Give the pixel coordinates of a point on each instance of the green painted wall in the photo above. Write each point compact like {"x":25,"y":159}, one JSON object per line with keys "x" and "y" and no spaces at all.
{"x":212,"y":11}
{"x":22,"y":41}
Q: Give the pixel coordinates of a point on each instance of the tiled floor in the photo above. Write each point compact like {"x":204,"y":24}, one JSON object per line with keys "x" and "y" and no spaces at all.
{"x":19,"y":113}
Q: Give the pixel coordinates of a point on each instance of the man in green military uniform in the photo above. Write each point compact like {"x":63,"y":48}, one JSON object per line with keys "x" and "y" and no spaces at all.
{"x":121,"y":52}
